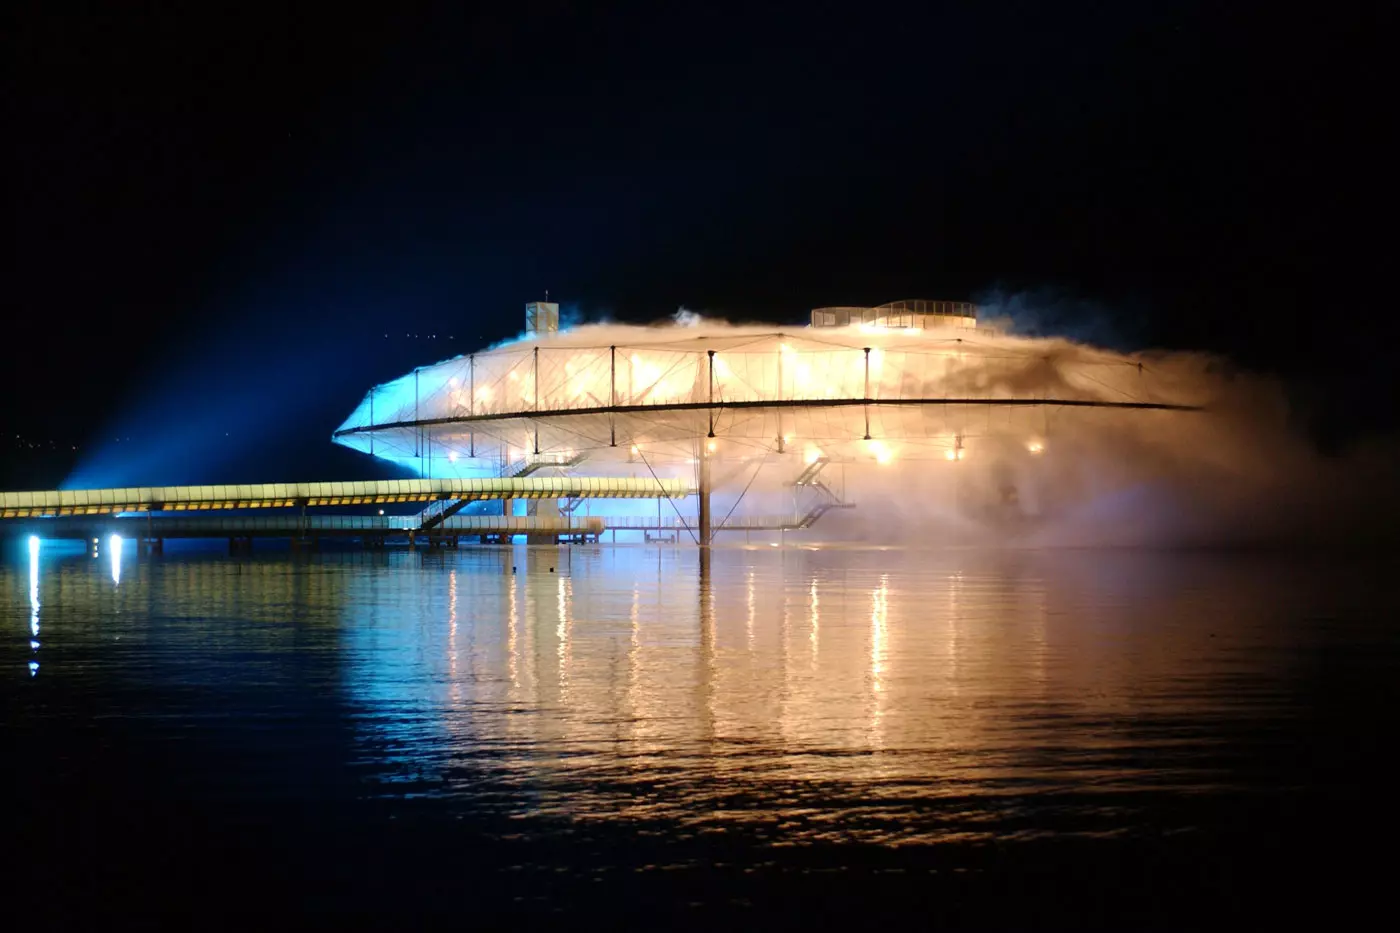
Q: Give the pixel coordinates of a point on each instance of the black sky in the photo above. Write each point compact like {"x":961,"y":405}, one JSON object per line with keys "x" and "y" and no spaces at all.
{"x":224,"y":213}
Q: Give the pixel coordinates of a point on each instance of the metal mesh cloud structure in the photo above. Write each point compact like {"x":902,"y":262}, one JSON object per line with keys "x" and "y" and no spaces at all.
{"x":607,"y":392}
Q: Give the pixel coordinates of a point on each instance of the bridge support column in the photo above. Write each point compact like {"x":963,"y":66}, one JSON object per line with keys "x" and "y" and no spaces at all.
{"x":705,"y":532}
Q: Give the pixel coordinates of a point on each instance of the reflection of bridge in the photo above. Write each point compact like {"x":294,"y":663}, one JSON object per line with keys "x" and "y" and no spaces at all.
{"x":376,"y":530}
{"x":372,"y":530}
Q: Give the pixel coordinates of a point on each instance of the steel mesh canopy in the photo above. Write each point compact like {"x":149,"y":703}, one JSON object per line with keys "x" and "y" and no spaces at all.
{"x":850,"y":392}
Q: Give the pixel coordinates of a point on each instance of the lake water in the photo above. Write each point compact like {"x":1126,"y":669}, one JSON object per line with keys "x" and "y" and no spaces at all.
{"x":1127,"y":739}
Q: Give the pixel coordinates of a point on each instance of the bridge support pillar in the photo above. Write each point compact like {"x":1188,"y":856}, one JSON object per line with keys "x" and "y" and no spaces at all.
{"x":705,"y":532}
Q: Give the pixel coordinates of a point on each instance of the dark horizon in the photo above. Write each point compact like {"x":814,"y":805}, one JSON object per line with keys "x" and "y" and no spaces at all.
{"x":219,"y":218}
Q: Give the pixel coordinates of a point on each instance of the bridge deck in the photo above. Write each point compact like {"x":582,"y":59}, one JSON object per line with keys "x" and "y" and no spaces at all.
{"x":286,"y":495}
{"x":290,"y":525}
{"x":671,"y":523}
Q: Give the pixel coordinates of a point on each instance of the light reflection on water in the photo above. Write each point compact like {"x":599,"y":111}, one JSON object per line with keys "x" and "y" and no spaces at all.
{"x":817,"y":695}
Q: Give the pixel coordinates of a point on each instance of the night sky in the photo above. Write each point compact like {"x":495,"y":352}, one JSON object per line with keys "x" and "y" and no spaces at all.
{"x":216,"y":219}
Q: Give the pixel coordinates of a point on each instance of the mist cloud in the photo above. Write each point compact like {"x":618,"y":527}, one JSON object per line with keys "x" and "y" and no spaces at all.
{"x":1234,"y":473}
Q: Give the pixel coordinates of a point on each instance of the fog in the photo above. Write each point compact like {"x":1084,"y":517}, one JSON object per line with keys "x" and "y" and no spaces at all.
{"x":1008,"y":464}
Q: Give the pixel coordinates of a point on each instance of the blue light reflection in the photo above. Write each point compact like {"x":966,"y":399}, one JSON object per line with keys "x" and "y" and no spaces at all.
{"x":34,"y":587}
{"x":114,"y":544}
{"x":33,"y":601}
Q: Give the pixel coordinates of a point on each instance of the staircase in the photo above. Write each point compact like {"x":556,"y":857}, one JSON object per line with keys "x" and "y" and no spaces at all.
{"x":440,"y":510}
{"x":528,"y":465}
{"x":817,"y":511}
{"x":826,"y":497}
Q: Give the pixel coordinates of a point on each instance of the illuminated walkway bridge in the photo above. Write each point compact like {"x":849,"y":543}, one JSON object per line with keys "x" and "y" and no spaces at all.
{"x":157,"y":512}
{"x":153,"y":513}
{"x":57,"y":503}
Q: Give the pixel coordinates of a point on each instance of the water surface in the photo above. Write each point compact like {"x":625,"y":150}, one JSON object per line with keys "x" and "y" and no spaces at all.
{"x":984,"y":737}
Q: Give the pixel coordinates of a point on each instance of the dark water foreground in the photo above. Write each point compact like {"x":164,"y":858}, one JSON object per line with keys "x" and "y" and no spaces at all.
{"x":1130,"y":740}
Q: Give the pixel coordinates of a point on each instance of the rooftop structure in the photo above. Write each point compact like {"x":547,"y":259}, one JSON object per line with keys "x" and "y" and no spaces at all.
{"x":542,"y":317}
{"x":909,"y":314}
